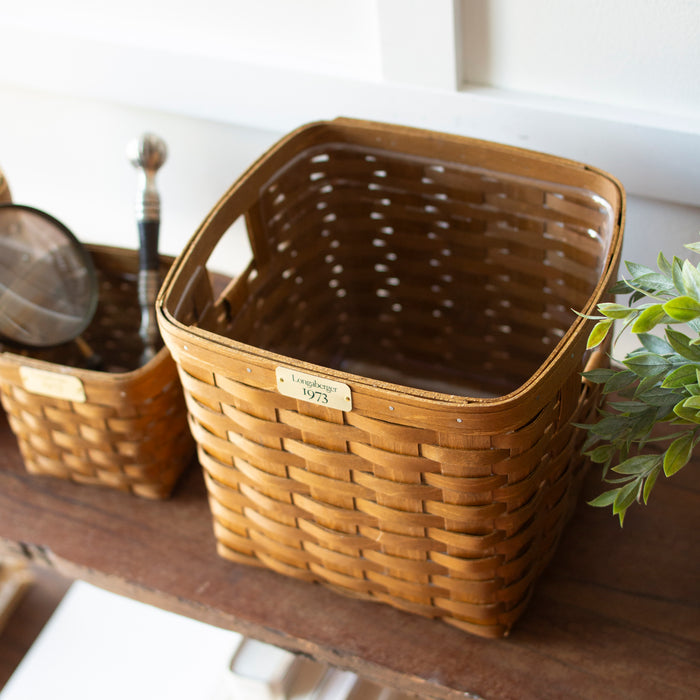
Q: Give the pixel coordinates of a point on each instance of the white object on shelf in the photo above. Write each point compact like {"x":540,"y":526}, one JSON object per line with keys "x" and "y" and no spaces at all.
{"x":259,"y":671}
{"x":100,"y":645}
{"x":306,"y":679}
{"x":337,"y":685}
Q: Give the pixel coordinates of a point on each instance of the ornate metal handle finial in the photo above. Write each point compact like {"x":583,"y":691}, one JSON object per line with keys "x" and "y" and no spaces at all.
{"x":147,"y":154}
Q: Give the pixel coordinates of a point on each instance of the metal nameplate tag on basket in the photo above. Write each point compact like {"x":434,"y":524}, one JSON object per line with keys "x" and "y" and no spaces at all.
{"x":318,"y":390}
{"x":53,"y":384}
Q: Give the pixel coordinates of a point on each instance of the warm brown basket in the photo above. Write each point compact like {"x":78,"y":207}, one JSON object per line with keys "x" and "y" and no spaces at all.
{"x":428,"y":280}
{"x":125,"y":427}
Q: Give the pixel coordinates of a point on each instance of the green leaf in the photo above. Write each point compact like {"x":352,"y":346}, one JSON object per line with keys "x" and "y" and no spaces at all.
{"x":637,"y":270}
{"x":649,"y":483}
{"x":626,"y":496}
{"x":653,"y":284}
{"x":686,"y":374}
{"x":692,"y":402}
{"x":646,"y":384}
{"x":678,"y":454}
{"x":610,"y":427}
{"x":614,"y":310}
{"x":683,"y":308}
{"x":605,"y":499}
{"x":628,"y":407}
{"x":643,"y":424}
{"x":691,"y":279}
{"x":664,"y":414}
{"x":589,"y":317}
{"x":659,"y":396}
{"x":648,"y":364}
{"x":641,"y":464}
{"x":666,"y":438}
{"x":600,"y":330}
{"x":599,"y":375}
{"x":677,"y":273}
{"x":589,"y":443}
{"x":654,"y":343}
{"x":664,"y":265}
{"x":660,"y":381}
{"x":622,"y":379}
{"x":687,"y":414}
{"x":649,"y":318}
{"x":601,"y":454}
{"x":621,"y":287}
{"x":681,"y":344}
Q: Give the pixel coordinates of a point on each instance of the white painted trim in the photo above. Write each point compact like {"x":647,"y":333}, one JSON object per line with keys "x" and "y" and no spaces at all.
{"x":656,"y":156}
{"x":419,"y":42}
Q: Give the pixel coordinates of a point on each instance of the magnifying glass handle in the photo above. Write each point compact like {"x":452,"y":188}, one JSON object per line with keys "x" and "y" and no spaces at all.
{"x":91,"y":359}
{"x":147,"y":154}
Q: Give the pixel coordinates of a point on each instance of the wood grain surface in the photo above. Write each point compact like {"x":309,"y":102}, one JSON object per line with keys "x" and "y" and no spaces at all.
{"x":28,"y":618}
{"x":615,"y":614}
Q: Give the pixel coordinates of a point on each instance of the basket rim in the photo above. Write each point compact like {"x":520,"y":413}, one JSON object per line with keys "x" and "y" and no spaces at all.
{"x":93,"y":376}
{"x":533,"y":388}
{"x":561,"y":359}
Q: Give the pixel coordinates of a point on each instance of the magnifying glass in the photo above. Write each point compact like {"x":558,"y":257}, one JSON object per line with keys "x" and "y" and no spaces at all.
{"x":48,"y":284}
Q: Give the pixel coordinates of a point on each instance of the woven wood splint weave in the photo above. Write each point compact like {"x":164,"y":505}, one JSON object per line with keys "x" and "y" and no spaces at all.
{"x":124,"y":427}
{"x":430,"y":280}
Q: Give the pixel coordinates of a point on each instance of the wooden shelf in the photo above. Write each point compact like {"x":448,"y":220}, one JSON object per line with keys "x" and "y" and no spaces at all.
{"x":615,"y":614}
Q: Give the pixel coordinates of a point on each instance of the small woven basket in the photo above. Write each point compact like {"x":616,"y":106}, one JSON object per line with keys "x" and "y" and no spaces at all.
{"x":383,"y":400}
{"x":125,"y":427}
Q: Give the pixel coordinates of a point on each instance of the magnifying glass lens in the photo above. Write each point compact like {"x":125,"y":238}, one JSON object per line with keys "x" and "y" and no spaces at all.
{"x":48,"y":286}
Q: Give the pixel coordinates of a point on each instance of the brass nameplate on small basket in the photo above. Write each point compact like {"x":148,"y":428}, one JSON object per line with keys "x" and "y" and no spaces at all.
{"x":53,"y":384}
{"x":318,"y":390}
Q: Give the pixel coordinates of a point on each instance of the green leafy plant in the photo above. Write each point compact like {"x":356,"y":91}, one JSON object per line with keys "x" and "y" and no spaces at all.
{"x":658,"y":383}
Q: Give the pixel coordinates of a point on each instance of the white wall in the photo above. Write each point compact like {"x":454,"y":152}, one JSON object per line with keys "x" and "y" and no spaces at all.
{"x":332,"y":36}
{"x":640,"y":54}
{"x":613,"y":84}
{"x":67,"y":155}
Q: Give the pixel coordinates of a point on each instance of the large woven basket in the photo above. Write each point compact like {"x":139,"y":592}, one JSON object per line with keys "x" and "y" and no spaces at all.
{"x":124,"y":426}
{"x":423,"y":285}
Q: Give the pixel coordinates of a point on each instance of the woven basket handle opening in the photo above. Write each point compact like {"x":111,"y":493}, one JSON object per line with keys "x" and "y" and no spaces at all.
{"x":240,"y":200}
{"x":188,"y":295}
